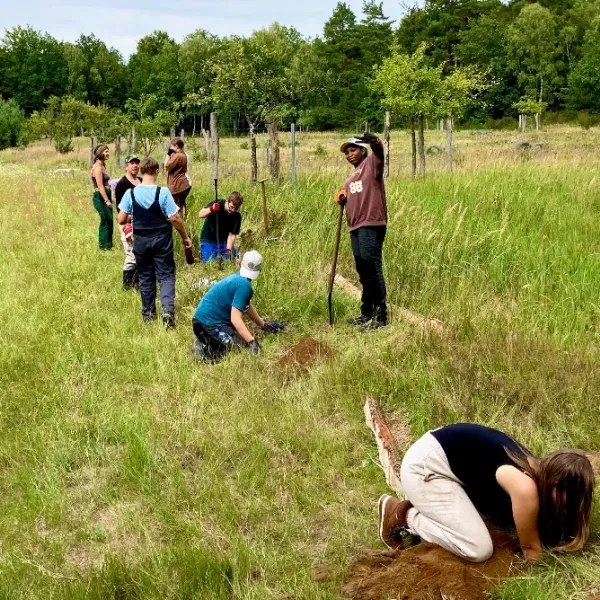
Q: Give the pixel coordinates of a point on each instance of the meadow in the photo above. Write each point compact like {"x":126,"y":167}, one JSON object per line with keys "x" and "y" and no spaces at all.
{"x":130,"y":470}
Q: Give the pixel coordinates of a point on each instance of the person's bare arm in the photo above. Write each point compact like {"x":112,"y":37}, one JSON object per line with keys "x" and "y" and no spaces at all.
{"x":252,"y":314}
{"x":237,"y":320}
{"x":97,"y":173}
{"x":231,"y":241}
{"x":180,"y":226}
{"x":525,"y":506}
{"x":204,"y":213}
{"x":123,"y":217}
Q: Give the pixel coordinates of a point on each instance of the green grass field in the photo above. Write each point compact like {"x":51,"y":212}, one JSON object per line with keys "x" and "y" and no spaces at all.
{"x":129,"y":470}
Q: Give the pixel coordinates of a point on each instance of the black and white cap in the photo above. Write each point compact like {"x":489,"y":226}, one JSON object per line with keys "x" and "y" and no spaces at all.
{"x":251,"y":265}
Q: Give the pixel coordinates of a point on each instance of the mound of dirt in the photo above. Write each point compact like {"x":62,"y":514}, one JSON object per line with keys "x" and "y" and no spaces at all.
{"x":303,"y":354}
{"x":427,"y":572}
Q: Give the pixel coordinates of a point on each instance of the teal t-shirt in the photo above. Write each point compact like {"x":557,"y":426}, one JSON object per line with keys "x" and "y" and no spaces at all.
{"x":214,"y":309}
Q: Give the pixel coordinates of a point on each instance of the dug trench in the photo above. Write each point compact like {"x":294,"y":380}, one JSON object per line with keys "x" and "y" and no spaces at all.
{"x":304,"y":354}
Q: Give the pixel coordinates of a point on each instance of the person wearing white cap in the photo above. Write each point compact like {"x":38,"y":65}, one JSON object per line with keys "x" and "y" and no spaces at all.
{"x":218,"y":321}
{"x":364,"y":197}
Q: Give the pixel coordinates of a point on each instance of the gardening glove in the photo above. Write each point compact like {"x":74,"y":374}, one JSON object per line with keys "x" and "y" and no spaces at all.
{"x":340,"y":197}
{"x":254,"y":347}
{"x":273,"y":327}
{"x":216,"y":207}
{"x":369,"y":138}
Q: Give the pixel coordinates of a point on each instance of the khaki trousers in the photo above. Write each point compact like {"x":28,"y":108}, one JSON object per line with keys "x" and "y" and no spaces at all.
{"x":442,"y":512}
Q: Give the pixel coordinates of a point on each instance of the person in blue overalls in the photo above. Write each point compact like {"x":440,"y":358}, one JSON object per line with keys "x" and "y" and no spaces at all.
{"x":218,"y":321}
{"x":222,"y":223}
{"x":153,"y":214}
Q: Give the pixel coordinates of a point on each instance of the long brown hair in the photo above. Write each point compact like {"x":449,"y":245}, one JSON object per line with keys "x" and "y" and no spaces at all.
{"x":99,"y":152}
{"x":565,"y":481}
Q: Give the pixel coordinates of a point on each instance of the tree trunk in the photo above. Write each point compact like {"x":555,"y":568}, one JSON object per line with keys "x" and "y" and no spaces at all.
{"x":182,"y":134}
{"x":132,"y":142}
{"x":537,"y":121}
{"x":386,"y":143}
{"x":194,"y":127}
{"x":172,"y":132}
{"x":449,"y":149}
{"x":253,"y":159}
{"x":206,"y":136}
{"x":92,"y":159}
{"x":214,"y":146}
{"x":413,"y":144}
{"x":421,"y":144}
{"x":118,"y":150}
{"x":274,"y":155}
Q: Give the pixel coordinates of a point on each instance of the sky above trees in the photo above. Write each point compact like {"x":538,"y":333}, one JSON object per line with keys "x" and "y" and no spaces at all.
{"x":120,"y":24}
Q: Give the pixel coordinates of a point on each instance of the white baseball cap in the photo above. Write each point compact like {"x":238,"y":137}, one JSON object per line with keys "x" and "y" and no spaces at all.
{"x":353,"y":141}
{"x":251,"y":265}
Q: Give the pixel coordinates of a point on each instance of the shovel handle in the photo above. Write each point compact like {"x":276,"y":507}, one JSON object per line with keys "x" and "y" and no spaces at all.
{"x":336,"y":250}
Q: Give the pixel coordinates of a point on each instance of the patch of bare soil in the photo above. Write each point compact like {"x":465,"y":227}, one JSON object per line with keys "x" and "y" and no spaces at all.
{"x":427,"y":572}
{"x":305,"y":353}
{"x":189,"y":456}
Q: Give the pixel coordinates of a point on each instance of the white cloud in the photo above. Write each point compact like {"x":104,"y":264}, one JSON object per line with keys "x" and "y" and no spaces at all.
{"x":121,"y":25}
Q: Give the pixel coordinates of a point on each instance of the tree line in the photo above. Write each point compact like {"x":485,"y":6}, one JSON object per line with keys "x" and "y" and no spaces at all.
{"x":532,"y":56}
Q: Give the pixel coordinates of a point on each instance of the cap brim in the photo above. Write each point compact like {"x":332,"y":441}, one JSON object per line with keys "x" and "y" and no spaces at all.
{"x":248,"y":274}
{"x":347,"y":144}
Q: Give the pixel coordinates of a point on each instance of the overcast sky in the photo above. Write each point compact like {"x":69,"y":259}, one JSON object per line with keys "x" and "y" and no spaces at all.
{"x":119,"y":24}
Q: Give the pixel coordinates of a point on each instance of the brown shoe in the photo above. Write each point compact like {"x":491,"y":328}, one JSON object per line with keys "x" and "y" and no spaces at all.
{"x":392,"y":521}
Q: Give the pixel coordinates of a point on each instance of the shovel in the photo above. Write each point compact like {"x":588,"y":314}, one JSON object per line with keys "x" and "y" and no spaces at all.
{"x":336,"y":250}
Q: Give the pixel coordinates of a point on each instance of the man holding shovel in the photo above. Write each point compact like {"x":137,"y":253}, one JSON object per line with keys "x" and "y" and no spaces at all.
{"x":366,"y":214}
{"x":222,"y":223}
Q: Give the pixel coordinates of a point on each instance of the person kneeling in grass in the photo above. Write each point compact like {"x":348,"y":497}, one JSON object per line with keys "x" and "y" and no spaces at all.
{"x":221,"y":227}
{"x":458,"y":474}
{"x":219,"y":318}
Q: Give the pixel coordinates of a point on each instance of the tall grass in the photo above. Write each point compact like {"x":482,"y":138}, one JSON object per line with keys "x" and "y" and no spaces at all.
{"x":131,"y":471}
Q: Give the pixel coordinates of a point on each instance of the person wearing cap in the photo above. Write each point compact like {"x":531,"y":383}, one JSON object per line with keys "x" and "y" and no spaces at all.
{"x":129,"y":181}
{"x":366,"y":214}
{"x":218,"y":321}
{"x":222,"y":224}
{"x":153,"y":214}
{"x":178,"y":182}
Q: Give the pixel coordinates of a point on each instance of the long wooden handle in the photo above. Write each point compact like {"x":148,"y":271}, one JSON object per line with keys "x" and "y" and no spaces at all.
{"x":336,"y":250}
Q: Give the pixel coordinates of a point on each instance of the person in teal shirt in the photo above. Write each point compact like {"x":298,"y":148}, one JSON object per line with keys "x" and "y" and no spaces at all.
{"x":218,"y":321}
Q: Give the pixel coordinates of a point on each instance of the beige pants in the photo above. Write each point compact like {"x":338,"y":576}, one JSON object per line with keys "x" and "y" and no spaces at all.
{"x":129,"y":263}
{"x":442,"y":512}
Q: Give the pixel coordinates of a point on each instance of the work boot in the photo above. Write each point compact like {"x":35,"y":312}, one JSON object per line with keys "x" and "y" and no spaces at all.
{"x":392,"y":521}
{"x":129,"y":279}
{"x":360,"y":320}
{"x":168,"y":321}
{"x":199,"y":349}
{"x":148,"y":318}
{"x":377,"y":321}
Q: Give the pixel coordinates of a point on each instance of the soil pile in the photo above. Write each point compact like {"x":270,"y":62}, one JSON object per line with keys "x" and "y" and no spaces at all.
{"x":427,"y":572}
{"x":303,"y":354}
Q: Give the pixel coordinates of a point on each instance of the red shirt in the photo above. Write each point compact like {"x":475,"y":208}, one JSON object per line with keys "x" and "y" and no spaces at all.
{"x":366,"y":194}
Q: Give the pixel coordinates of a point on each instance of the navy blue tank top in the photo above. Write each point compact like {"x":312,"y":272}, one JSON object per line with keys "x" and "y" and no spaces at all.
{"x":149,"y":222}
{"x":474,"y":454}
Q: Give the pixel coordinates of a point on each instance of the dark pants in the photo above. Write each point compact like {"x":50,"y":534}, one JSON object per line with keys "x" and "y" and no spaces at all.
{"x":181,"y":200}
{"x":217,"y":341}
{"x":367,"y":246}
{"x":155,"y":262}
{"x":105,"y":231}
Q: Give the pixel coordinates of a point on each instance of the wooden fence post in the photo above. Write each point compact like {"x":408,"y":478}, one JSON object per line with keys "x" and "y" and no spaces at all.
{"x":132,"y":142}
{"x":387,"y":126}
{"x":182,"y":134}
{"x":172,"y":132}
{"x":449,"y":149}
{"x":93,"y":144}
{"x":274,"y":155}
{"x":264,"y":207}
{"x":118,"y":150}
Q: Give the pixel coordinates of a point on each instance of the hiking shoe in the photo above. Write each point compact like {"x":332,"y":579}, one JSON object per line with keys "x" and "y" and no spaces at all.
{"x":373,"y":323}
{"x":199,"y":349}
{"x":149,"y":318}
{"x":360,"y":320}
{"x":392,"y":521}
{"x":168,"y":321}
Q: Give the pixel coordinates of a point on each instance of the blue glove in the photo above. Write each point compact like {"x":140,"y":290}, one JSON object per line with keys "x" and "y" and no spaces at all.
{"x":273,"y":327}
{"x":254,"y":347}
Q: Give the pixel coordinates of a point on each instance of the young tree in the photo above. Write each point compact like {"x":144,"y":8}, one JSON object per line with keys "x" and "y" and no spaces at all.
{"x":13,"y":127}
{"x":410,"y":90}
{"x":458,"y":91}
{"x":530,"y":106}
{"x":252,"y":77}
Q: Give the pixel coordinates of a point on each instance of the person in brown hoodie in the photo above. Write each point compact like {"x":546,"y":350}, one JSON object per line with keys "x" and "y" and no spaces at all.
{"x":176,"y":164}
{"x":366,"y":213}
